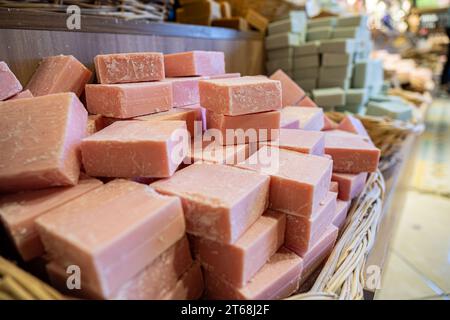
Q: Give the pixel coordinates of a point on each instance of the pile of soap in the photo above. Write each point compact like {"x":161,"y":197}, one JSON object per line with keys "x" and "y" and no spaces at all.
{"x":118,"y":189}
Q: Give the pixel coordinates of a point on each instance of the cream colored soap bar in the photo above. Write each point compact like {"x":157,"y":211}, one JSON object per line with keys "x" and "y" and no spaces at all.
{"x":113,"y":232}
{"x":40,"y":140}
{"x":58,"y":74}
{"x":220,"y":202}
{"x":129,"y":67}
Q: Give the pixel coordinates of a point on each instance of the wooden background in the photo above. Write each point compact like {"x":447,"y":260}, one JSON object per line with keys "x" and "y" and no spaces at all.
{"x":26,"y":37}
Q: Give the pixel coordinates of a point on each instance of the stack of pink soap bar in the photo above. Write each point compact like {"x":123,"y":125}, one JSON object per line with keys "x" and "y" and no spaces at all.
{"x":350,"y":185}
{"x":303,"y":141}
{"x":292,"y":93}
{"x":224,"y":76}
{"x":40,"y":141}
{"x":9,"y":85}
{"x":220,"y":202}
{"x":194,"y":63}
{"x":129,"y":67}
{"x":277,"y":279}
{"x":238,"y":262}
{"x":185,"y":90}
{"x":19,"y":211}
{"x":309,"y":118}
{"x":58,"y":74}
{"x":136,"y":148}
{"x":112,"y":233}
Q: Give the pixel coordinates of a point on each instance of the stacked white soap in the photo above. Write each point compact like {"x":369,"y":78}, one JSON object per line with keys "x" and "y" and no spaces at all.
{"x":284,"y":35}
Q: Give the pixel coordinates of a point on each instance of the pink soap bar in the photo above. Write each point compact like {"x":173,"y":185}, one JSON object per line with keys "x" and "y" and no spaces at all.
{"x":58,"y":74}
{"x":220,"y":202}
{"x":350,"y":185}
{"x":248,"y":128}
{"x":319,"y":252}
{"x":329,"y":124}
{"x":192,"y":116}
{"x":307,"y":102}
{"x":341,"y":213}
{"x":277,"y":279}
{"x":298,"y":181}
{"x":136,"y":148}
{"x":300,"y":141}
{"x":216,"y":153}
{"x":194,"y":63}
{"x":128,"y":100}
{"x":129,"y":67}
{"x":292,"y":93}
{"x":287,"y":123}
{"x":9,"y":85}
{"x":238,"y":96}
{"x":351,"y":154}
{"x":352,"y":124}
{"x":189,"y":287}
{"x":40,"y":140}
{"x":185,"y":90}
{"x":309,"y":118}
{"x":224,"y":76}
{"x":18,"y":212}
{"x":334,"y":186}
{"x":112,"y":233}
{"x":94,"y":123}
{"x":237,"y":263}
{"x":21,"y":95}
{"x":302,"y":233}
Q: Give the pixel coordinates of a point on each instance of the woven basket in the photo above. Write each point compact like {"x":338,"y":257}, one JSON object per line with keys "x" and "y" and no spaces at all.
{"x":155,"y":10}
{"x":343,"y":275}
{"x":16,"y":284}
{"x":388,"y":135}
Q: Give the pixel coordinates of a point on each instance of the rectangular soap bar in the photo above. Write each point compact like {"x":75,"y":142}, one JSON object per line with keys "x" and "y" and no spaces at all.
{"x":298,"y":182}
{"x":237,"y":23}
{"x":94,"y":123}
{"x":189,"y":287}
{"x":207,"y":151}
{"x":291,"y":92}
{"x":309,"y":48}
{"x":58,"y":74}
{"x":303,"y":141}
{"x":340,"y":215}
{"x":238,"y":96}
{"x":277,"y":279}
{"x":307,"y":84}
{"x":282,"y":40}
{"x":220,"y":202}
{"x":40,"y":140}
{"x":157,"y":279}
{"x":336,"y":72}
{"x":310,"y":119}
{"x":192,"y":115}
{"x":350,"y":185}
{"x":256,"y":20}
{"x":356,"y":96}
{"x":184,"y":90}
{"x":287,"y":25}
{"x":247,"y":128}
{"x":129,"y":67}
{"x":352,"y":20}
{"x":352,"y":154}
{"x":337,"y":46}
{"x":391,"y":109}
{"x":353,"y":125}
{"x":343,"y":83}
{"x":306,"y":73}
{"x":289,"y":123}
{"x":334,"y":186}
{"x":336,"y":59}
{"x":319,"y":252}
{"x":321,"y":22}
{"x":113,"y":232}
{"x":307,"y":61}
{"x":307,"y":102}
{"x":21,"y":95}
{"x":320,"y":33}
{"x":329,"y":97}
{"x":281,"y":53}
{"x":129,"y":100}
{"x":9,"y":84}
{"x":134,"y":148}
{"x":302,"y":233}
{"x":18,"y":212}
{"x":237,"y":263}
{"x":284,"y":64}
{"x":194,"y":63}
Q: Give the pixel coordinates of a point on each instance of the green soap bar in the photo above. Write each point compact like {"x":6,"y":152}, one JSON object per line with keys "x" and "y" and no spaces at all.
{"x":345,"y":32}
{"x":273,"y":65}
{"x":330,"y":97}
{"x":312,"y":60}
{"x":321,"y":33}
{"x":353,"y":20}
{"x":342,"y":72}
{"x":357,"y":96}
{"x":307,"y":48}
{"x":336,"y":59}
{"x":321,"y":22}
{"x":282,"y":53}
{"x":386,"y":98}
{"x":361,"y":74}
{"x":332,"y":83}
{"x":307,"y":84}
{"x":306,"y":73}
{"x":337,"y":46}
{"x":287,"y":25}
{"x":282,"y":40}
{"x":295,"y":15}
{"x":375,"y":89}
{"x":394,"y":110}
{"x":353,"y":108}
